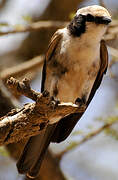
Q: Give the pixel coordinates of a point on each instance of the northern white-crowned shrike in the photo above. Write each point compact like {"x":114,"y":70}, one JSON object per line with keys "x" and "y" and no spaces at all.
{"x":75,"y":63}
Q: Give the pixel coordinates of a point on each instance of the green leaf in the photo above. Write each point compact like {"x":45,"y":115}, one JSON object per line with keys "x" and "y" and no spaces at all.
{"x":27,"y":18}
{"x":3,"y":151}
{"x":71,"y":15}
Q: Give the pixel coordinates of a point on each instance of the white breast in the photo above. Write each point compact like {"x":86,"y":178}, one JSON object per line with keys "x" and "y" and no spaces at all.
{"x":82,"y":61}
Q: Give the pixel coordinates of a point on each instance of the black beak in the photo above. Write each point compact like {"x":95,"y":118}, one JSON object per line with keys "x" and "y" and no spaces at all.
{"x":106,"y":20}
{"x":102,"y":20}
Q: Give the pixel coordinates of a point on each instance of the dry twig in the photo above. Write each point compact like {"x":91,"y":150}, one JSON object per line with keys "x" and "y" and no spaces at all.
{"x":113,"y":51}
{"x":34,"y":117}
{"x":111,"y":33}
{"x":6,"y":104}
{"x":33,"y":27}
{"x":101,"y":2}
{"x":87,"y":138}
{"x":22,"y":68}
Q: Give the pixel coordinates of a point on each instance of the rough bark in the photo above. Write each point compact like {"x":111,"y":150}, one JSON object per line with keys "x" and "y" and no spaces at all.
{"x":50,"y":169}
{"x":36,"y":44}
{"x":6,"y":103}
{"x":33,"y":117}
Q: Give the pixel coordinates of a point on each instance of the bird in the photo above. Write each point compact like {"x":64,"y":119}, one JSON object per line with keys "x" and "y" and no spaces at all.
{"x":75,"y":62}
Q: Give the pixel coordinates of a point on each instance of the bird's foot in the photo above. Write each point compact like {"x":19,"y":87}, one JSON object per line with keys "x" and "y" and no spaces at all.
{"x":79,"y":102}
{"x":54,"y":102}
{"x":45,"y":93}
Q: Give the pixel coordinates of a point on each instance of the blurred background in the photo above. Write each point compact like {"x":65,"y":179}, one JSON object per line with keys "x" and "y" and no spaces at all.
{"x":91,"y":151}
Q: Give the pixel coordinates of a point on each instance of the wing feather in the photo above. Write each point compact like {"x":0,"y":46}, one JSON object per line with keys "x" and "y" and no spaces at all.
{"x":53,"y":44}
{"x":34,"y":151}
{"x":66,"y":125}
{"x":102,"y":71}
{"x":50,"y":52}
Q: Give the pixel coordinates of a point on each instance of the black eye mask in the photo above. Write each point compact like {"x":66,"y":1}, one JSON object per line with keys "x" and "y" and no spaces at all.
{"x":97,"y":19}
{"x":78,"y":25}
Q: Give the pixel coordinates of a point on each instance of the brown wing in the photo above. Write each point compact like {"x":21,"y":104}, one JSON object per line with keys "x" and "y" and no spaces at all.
{"x":53,"y":44}
{"x":31,"y":158}
{"x":66,"y":125}
{"x":102,"y":71}
{"x":51,"y":49}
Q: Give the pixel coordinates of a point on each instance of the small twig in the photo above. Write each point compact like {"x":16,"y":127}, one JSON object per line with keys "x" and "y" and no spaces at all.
{"x":111,"y":74}
{"x":114,"y":61}
{"x":101,"y":2}
{"x":22,"y":68}
{"x":58,"y":24}
{"x":34,"y":117}
{"x":33,"y":64}
{"x":113,"y":51}
{"x":112,"y":31}
{"x":34,"y":27}
{"x":7,"y":101}
{"x":23,"y":88}
{"x":86,"y":138}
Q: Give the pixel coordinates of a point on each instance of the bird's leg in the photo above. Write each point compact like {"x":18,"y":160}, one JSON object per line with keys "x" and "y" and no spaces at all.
{"x":80,"y":101}
{"x":45,"y":93}
{"x":54,"y":102}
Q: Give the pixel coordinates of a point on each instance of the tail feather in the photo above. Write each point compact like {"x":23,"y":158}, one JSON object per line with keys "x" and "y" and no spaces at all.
{"x":29,"y":153}
{"x":34,"y":151}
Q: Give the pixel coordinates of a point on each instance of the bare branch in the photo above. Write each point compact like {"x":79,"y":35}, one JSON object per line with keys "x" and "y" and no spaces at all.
{"x":22,"y":68}
{"x":34,"y":27}
{"x":7,"y":101}
{"x":34,"y":117}
{"x":113,"y":51}
{"x":112,"y":30}
{"x":23,"y":88}
{"x":101,"y":2}
{"x":87,"y":137}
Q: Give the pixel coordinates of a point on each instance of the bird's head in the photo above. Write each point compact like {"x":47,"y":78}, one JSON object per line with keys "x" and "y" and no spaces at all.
{"x":90,"y":19}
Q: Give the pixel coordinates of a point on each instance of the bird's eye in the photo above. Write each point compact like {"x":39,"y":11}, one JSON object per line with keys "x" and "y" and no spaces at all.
{"x":90,"y":18}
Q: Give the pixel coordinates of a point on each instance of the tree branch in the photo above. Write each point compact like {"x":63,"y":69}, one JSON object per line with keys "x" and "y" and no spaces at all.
{"x":111,"y":32}
{"x":34,"y":27}
{"x":23,"y":68}
{"x":7,"y":101}
{"x":101,"y":2}
{"x":33,"y":117}
{"x":88,"y":137}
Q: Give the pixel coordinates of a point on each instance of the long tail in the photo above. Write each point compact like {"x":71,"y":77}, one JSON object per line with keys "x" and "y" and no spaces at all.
{"x":34,"y":151}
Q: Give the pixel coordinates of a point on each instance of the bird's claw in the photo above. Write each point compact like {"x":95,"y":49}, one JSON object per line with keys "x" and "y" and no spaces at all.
{"x":45,"y":93}
{"x":79,"y":102}
{"x":54,"y":102}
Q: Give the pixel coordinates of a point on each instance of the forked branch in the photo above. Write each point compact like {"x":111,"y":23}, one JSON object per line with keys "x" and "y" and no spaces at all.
{"x":33,"y":117}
